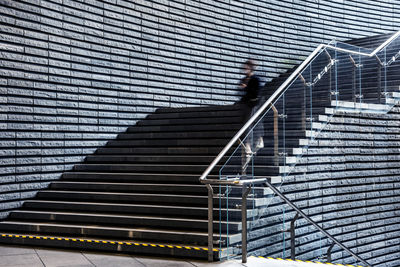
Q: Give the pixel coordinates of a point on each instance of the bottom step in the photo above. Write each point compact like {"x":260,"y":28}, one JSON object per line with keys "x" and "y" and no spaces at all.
{"x":268,"y":261}
{"x":120,"y":246}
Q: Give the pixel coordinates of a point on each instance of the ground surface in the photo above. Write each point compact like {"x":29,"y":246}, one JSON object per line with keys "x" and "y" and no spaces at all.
{"x":31,"y":256}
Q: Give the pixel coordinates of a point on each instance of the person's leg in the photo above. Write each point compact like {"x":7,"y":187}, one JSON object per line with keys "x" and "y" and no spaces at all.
{"x":247,"y":138}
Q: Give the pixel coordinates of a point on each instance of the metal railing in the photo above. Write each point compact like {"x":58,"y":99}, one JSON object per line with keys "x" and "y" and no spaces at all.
{"x":355,"y":56}
{"x":279,"y":91}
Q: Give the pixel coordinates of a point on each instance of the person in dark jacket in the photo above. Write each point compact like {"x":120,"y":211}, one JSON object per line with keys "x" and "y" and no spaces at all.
{"x":251,"y":85}
{"x":250,"y":102}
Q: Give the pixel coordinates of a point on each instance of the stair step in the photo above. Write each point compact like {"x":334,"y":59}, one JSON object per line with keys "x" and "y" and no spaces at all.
{"x":185,"y":128}
{"x":129,"y":187}
{"x":190,"y":121}
{"x":122,"y":220}
{"x":151,"y":159}
{"x":198,"y":160}
{"x":135,"y":198}
{"x":134,"y":177}
{"x":169,"y":168}
{"x":110,"y":245}
{"x":124,"y":208}
{"x":199,"y":109}
{"x":177,"y":135}
{"x":167,"y":143}
{"x":182,"y":169}
{"x":146,"y":188}
{"x":83,"y":230}
{"x":212,"y":151}
{"x":199,"y":114}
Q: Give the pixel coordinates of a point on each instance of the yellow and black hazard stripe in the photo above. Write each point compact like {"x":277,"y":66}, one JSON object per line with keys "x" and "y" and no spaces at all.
{"x":317,"y":262}
{"x":144,"y":245}
{"x":105,"y":242}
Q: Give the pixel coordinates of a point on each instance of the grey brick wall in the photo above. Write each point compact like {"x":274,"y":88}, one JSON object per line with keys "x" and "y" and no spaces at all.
{"x":73,"y":74}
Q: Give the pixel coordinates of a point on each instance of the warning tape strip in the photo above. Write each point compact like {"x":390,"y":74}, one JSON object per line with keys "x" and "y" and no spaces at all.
{"x":145,"y":245}
{"x":317,"y":262}
{"x":103,"y":242}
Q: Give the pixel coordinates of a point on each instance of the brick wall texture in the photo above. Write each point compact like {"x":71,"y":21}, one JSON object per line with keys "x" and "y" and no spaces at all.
{"x":73,"y":74}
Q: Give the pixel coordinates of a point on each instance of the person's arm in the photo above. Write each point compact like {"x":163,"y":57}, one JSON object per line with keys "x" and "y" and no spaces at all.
{"x":243,"y":82}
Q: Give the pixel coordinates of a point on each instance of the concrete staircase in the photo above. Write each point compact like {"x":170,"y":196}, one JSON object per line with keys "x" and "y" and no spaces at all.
{"x":141,"y":188}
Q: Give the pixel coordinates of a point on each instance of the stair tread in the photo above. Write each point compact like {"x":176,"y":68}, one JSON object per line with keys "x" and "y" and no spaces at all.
{"x":156,"y":156}
{"x":71,"y":225}
{"x":160,"y":165}
{"x":108,"y":204}
{"x":98,"y":239}
{"x":141,"y":173}
{"x":210,"y":176}
{"x":127,"y":187}
{"x":71,"y":202}
{"x":134,"y":176}
{"x":118,"y":184}
{"x":127,"y":194}
{"x":129,"y":184}
{"x":116,"y":215}
{"x":201,"y":108}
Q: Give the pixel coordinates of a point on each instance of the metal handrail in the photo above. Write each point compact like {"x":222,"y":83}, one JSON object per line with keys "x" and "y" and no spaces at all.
{"x":278,"y":93}
{"x":306,"y":217}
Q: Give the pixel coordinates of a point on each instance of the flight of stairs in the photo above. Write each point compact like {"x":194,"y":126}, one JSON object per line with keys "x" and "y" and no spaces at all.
{"x":141,"y":188}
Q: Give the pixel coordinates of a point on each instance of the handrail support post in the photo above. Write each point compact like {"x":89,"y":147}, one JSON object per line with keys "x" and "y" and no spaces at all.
{"x":329,"y":252}
{"x":210,"y":223}
{"x":379,"y":77}
{"x":276,"y":136}
{"x":353,"y":74}
{"x":245,"y":193}
{"x":293,"y":237}
{"x":379,"y":83}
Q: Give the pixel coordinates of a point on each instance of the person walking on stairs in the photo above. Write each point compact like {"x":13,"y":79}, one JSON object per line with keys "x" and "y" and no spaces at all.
{"x":250,"y":103}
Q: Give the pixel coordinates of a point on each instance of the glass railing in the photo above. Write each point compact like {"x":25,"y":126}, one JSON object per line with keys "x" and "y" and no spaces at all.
{"x":338,"y":77}
{"x":352,"y":48}
{"x":389,"y":58}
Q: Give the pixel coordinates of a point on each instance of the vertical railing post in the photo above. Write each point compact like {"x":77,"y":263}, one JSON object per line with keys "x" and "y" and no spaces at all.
{"x":329,"y":252}
{"x":311,"y":102}
{"x":330,"y":74}
{"x":210,"y":223}
{"x":304,"y":104}
{"x":379,"y":78}
{"x":276,"y":136}
{"x":293,"y":237}
{"x":385,"y":69}
{"x":353,"y":75}
{"x":359,"y":66}
{"x":379,"y":83}
{"x":245,"y":193}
